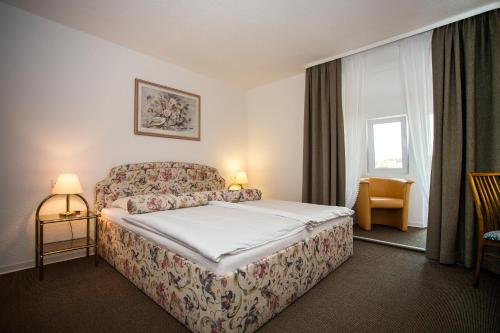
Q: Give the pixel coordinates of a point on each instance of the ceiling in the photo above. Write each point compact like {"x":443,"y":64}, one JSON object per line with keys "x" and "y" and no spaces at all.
{"x":246,"y":42}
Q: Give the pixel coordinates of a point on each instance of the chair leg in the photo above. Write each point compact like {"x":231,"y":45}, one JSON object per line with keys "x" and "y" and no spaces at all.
{"x":404,"y":220}
{"x":364,"y":220}
{"x":479,"y":261}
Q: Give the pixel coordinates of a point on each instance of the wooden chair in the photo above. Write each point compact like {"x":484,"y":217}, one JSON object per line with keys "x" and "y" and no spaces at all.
{"x":486,"y":194}
{"x":383,"y":201}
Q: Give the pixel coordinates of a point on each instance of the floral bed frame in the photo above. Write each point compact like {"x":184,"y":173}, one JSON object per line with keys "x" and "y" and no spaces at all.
{"x":156,"y":178}
{"x":238,"y":301}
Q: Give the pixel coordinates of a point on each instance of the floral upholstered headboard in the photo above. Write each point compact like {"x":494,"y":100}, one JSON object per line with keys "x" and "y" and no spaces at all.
{"x":156,"y":178}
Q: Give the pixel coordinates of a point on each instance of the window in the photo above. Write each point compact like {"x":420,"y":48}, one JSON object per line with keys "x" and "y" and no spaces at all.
{"x":387,"y":145}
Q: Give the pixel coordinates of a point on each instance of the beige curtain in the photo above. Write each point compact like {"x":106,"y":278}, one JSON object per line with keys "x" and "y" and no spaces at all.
{"x":466,"y":75}
{"x":324,"y":154}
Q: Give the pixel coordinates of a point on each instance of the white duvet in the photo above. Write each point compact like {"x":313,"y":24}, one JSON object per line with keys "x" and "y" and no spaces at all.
{"x":222,"y":228}
{"x":310,"y":215}
{"x":215,"y":231}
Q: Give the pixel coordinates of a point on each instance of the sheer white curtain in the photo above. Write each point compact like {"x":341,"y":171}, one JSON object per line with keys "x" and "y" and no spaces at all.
{"x":353,"y":90}
{"x":415,"y":60}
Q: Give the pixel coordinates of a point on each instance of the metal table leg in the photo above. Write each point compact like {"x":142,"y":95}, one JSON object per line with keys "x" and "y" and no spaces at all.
{"x":40,"y":267}
{"x":96,"y":239}
{"x":37,"y":243}
{"x":88,"y":236}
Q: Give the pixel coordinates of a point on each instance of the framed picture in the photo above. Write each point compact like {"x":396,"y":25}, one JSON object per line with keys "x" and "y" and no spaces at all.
{"x":166,"y":112}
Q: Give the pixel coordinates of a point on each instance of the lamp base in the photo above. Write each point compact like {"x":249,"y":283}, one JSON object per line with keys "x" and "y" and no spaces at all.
{"x":68,"y":214}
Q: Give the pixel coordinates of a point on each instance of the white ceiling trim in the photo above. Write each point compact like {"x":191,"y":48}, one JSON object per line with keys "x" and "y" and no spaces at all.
{"x":438,"y":24}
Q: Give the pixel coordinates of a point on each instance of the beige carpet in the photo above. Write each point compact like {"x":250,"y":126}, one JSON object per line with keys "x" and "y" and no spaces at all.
{"x":380,"y":289}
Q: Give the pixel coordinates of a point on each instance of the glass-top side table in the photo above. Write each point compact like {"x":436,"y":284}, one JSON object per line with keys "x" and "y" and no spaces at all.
{"x":45,"y":249}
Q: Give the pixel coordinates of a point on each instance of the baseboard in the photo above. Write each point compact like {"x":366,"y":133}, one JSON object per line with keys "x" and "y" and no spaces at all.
{"x":416,"y":224}
{"x":17,"y":267}
{"x":402,"y":246}
{"x":48,"y":260}
{"x":410,"y":224}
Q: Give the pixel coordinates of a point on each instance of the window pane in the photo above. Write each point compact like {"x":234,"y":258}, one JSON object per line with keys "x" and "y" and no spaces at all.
{"x":387,"y":145}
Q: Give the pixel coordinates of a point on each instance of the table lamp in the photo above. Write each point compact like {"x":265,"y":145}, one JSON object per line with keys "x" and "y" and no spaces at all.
{"x":239,"y":180}
{"x":67,"y":184}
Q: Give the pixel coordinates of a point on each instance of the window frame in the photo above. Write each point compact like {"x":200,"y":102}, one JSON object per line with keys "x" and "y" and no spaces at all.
{"x":371,"y":170}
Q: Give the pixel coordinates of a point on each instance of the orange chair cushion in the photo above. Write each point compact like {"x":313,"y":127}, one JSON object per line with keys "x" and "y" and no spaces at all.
{"x":385,"y":202}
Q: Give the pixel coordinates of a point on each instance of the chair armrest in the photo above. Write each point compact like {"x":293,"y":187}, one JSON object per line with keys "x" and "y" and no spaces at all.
{"x":406,"y":181}
{"x":406,"y":197}
{"x":363,"y":206}
{"x":363,"y":200}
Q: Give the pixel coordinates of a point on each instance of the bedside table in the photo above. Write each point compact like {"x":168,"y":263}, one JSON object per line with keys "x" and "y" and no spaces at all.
{"x":45,"y":249}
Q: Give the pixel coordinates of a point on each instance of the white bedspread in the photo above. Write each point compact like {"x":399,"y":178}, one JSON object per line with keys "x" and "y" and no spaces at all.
{"x":310,"y":215}
{"x":214,"y":231}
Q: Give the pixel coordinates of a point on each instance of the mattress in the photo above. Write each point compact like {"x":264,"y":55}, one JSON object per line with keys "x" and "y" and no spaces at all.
{"x":227,"y":263}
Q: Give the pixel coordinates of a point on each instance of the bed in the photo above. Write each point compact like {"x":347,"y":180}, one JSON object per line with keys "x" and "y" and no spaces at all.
{"x":238,"y":293}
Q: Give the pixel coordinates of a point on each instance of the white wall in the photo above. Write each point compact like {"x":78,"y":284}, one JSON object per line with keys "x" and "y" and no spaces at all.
{"x":67,"y":106}
{"x":275,"y":138}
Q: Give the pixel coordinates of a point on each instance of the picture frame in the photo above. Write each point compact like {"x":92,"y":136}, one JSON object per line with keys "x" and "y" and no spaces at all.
{"x":163,"y":111}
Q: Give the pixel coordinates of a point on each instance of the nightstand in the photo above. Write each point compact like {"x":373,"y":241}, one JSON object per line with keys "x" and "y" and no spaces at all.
{"x":45,"y":249}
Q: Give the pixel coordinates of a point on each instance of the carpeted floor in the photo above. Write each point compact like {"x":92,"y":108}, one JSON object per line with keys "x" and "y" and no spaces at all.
{"x":413,"y":237}
{"x":380,"y":289}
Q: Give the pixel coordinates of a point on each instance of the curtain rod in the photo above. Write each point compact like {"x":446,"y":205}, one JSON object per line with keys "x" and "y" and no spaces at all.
{"x":467,"y":14}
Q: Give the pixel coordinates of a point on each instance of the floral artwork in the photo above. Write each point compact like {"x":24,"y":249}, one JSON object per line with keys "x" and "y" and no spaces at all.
{"x":166,"y":112}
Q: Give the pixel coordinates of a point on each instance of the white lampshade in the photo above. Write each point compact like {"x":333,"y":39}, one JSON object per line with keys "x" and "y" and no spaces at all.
{"x":241,"y":178}
{"x":67,"y":183}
